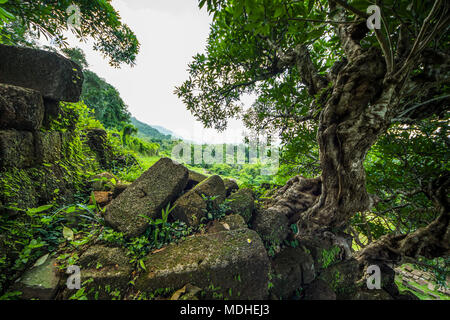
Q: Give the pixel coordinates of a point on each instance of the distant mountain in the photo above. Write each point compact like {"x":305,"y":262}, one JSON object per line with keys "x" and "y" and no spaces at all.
{"x":164,"y":131}
{"x":151,"y":132}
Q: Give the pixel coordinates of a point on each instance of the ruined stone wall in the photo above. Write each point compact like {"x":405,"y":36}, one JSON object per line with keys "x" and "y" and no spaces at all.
{"x":32,"y":83}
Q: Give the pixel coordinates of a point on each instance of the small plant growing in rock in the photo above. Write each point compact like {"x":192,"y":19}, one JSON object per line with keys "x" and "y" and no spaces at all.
{"x":161,"y":232}
{"x":214,"y":211}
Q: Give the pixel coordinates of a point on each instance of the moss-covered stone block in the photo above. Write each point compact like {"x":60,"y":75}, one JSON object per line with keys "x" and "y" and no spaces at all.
{"x":20,"y":108}
{"x":191,"y":207}
{"x":105,"y":273}
{"x":292,"y":268}
{"x":148,"y":195}
{"x":17,"y":149}
{"x":230,"y":264}
{"x":242,"y":202}
{"x":271,"y":225}
{"x":194,"y":179}
{"x":230,"y":186}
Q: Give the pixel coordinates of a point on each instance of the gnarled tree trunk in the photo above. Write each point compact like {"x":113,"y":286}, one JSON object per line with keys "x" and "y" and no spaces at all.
{"x":359,"y":107}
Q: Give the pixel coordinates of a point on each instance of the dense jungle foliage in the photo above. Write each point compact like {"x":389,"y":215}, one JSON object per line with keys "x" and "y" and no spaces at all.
{"x":246,"y":53}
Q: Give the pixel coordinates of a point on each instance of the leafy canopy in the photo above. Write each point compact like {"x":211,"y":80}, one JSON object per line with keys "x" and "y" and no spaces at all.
{"x":247,"y":39}
{"x":244,"y":55}
{"x":102,"y":97}
{"x":99,"y":20}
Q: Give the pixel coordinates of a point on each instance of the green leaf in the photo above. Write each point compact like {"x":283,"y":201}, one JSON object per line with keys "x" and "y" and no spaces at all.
{"x":39,"y":209}
{"x":94,"y":202}
{"x":41,"y":260}
{"x":68,"y":233}
{"x":279,"y":11}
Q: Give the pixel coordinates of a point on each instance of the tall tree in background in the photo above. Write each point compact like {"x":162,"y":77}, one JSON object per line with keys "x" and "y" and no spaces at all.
{"x":317,"y":64}
{"x":98,"y":20}
{"x":97,"y":94}
{"x":108,"y":106}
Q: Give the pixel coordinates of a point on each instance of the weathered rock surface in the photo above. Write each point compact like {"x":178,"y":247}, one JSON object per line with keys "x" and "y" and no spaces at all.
{"x":212,"y":187}
{"x":119,"y":188}
{"x":52,"y":111}
{"x":194,"y":179}
{"x":327,"y":249}
{"x":230,"y":186}
{"x":319,"y":290}
{"x":242,"y":203}
{"x":235,"y":221}
{"x":49,"y":146}
{"x":231,"y":222}
{"x":271,"y":225}
{"x":20,"y":108}
{"x":190,"y":208}
{"x":108,"y":268}
{"x":191,"y":293}
{"x":17,"y":149}
{"x":291,"y":269}
{"x":231,"y":264}
{"x":150,"y":193}
{"x":40,"y":282}
{"x":54,"y":76}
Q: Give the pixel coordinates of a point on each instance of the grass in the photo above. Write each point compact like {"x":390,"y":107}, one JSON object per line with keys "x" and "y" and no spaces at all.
{"x":197,"y":169}
{"x":135,"y":172}
{"x":147,"y":162}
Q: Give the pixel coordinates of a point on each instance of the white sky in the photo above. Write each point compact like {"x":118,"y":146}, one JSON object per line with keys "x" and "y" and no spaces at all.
{"x":170,"y":33}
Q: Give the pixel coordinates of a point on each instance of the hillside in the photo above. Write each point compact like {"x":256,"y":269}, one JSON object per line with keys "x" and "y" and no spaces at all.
{"x":164,"y":131}
{"x":147,"y":131}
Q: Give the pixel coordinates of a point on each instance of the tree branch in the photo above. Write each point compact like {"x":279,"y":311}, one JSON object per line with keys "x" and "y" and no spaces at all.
{"x":420,"y":43}
{"x":431,"y":241}
{"x":345,"y":5}
{"x":300,"y":57}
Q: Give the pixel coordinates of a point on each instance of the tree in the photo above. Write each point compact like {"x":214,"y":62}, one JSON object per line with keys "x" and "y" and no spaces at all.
{"x":316,"y":65}
{"x":108,"y":106}
{"x":127,"y":131}
{"x":76,"y":55}
{"x":98,"y":19}
{"x":102,"y":97}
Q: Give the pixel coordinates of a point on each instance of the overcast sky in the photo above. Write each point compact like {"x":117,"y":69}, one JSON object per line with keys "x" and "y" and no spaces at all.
{"x":170,"y":33}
